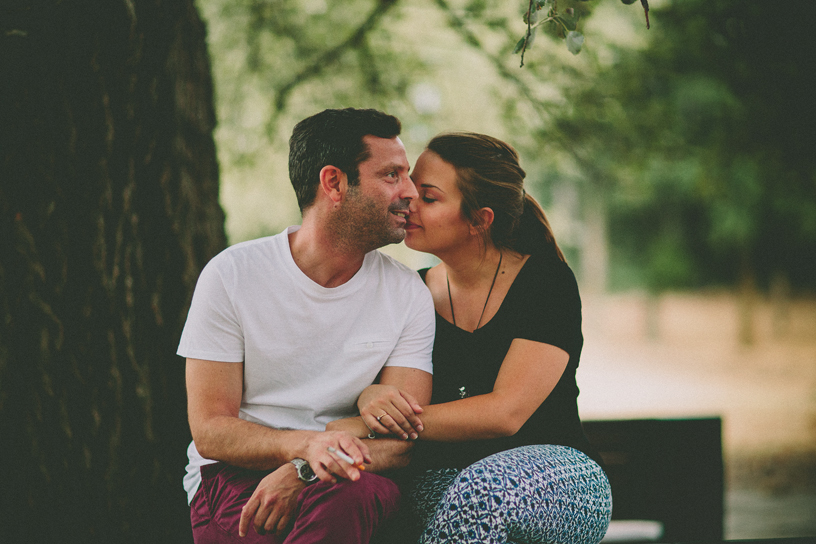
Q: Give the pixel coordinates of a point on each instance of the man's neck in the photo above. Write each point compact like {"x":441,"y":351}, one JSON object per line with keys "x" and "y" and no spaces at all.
{"x":323,"y":260}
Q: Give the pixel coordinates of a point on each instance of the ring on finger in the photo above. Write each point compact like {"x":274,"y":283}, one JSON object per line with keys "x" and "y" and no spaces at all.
{"x":381,"y":416}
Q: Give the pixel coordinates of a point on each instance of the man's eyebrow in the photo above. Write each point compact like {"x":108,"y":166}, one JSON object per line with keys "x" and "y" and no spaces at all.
{"x":392,"y":167}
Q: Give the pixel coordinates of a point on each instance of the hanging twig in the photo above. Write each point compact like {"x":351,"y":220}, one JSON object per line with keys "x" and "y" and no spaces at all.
{"x":458,"y":25}
{"x":645,"y":4}
{"x":529,"y":31}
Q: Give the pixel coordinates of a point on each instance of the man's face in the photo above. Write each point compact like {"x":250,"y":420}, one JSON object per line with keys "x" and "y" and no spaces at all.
{"x":374,"y":211}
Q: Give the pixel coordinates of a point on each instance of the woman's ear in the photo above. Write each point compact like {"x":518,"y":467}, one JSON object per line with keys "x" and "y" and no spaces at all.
{"x":483,"y":219}
{"x":334,"y":183}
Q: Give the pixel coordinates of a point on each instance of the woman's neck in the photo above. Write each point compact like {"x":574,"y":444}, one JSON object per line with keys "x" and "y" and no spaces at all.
{"x":470,"y":268}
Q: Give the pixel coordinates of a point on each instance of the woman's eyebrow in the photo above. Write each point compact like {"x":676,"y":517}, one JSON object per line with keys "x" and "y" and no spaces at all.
{"x":429,"y":186}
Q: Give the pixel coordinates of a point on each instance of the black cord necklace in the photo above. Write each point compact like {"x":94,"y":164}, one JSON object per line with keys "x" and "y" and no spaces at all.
{"x":450,"y":298}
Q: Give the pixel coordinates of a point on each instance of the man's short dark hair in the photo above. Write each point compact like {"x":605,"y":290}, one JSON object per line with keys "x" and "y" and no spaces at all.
{"x":333,"y":137}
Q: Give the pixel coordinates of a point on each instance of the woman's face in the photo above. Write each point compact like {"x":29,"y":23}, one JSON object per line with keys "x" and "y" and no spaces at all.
{"x":435,"y":224}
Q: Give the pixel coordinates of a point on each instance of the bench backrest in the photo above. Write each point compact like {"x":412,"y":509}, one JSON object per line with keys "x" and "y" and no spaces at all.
{"x":667,"y":470}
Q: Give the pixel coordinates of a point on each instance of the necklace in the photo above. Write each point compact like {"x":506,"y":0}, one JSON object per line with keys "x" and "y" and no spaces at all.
{"x":450,"y":298}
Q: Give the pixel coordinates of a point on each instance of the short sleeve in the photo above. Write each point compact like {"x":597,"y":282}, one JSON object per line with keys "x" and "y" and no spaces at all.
{"x":415,"y":344}
{"x":212,"y":331}
{"x":548,"y":306}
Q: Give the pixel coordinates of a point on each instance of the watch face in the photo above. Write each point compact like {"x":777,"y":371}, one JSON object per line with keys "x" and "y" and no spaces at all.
{"x":306,"y":473}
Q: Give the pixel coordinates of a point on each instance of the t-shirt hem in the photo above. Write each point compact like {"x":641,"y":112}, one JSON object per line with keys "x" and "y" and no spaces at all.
{"x":211,"y":356}
{"x":419,"y":366}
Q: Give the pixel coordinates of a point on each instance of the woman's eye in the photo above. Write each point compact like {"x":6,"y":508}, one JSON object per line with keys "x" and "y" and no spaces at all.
{"x":428,"y":199}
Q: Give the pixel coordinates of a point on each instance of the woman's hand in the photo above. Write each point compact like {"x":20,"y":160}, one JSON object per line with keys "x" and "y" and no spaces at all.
{"x":388,"y":410}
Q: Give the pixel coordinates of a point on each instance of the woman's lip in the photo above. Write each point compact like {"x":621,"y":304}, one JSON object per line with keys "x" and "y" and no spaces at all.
{"x":409,"y":225}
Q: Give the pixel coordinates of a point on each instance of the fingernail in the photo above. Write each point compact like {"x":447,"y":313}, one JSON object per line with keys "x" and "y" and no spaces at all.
{"x":405,"y":436}
{"x":414,"y":436}
{"x":420,"y":428}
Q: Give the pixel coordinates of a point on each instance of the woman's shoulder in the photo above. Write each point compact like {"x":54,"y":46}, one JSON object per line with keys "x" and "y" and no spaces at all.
{"x":430,"y":274}
{"x":549,"y":271}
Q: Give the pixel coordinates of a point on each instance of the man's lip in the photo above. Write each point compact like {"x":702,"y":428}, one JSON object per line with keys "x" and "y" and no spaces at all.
{"x":402,"y":214}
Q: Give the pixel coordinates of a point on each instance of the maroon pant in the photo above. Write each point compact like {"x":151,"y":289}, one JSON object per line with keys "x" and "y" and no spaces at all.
{"x":342,"y":513}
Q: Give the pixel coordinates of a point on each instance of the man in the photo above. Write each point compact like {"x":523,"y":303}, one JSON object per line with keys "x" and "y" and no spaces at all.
{"x":285,"y":332}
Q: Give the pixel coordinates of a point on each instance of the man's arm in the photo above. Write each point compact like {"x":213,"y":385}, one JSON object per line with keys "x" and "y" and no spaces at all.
{"x":410,"y":380}
{"x":413,"y":387}
{"x":386,"y":453}
{"x":214,"y":391}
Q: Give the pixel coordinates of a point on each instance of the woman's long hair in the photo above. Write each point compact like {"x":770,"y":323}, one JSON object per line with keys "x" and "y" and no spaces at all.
{"x":488,"y":175}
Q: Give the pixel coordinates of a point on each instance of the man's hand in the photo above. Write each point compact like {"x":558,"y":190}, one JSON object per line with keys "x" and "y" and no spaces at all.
{"x":273,"y":503}
{"x":326,"y":465}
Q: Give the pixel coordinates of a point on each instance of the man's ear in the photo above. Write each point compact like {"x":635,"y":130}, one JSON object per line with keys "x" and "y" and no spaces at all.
{"x":482,"y":221}
{"x":333,"y":182}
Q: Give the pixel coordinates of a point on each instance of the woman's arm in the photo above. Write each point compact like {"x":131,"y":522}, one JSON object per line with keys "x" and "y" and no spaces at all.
{"x":529,"y":373}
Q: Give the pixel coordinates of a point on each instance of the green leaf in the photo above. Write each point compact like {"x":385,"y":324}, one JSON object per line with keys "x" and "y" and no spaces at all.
{"x":628,"y":2}
{"x":531,"y":39}
{"x":533,"y":19}
{"x":575,"y":41}
{"x":519,"y":45}
{"x":568,"y":22}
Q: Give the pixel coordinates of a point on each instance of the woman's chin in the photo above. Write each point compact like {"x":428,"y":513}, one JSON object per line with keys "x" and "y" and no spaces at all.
{"x":411,"y":240}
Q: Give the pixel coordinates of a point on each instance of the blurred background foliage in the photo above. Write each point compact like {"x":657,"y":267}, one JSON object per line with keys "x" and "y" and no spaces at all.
{"x":672,"y":158}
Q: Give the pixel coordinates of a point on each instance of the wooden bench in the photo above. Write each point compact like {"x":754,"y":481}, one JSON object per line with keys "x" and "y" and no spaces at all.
{"x":665,"y":470}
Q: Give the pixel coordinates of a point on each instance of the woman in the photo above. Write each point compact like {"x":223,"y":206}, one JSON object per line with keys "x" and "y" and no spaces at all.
{"x":501,"y":453}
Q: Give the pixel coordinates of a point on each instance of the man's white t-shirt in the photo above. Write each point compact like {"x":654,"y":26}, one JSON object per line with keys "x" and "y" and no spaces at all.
{"x":308,"y":351}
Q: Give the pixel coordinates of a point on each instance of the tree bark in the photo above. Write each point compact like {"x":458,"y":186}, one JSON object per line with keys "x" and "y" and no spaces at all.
{"x":108,"y":211}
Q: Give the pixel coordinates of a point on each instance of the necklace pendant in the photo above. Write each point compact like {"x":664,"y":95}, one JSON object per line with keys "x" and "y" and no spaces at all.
{"x":463,"y":392}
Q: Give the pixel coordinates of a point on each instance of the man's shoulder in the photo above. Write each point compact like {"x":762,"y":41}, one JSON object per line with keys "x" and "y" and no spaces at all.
{"x":401,"y":284}
{"x":250,"y":249}
{"x":395,"y":269}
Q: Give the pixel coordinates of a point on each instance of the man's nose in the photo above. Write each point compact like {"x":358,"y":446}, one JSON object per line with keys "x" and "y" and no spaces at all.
{"x":409,"y":191}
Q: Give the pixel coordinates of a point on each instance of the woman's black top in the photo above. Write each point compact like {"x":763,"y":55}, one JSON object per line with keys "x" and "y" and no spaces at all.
{"x":542,"y":305}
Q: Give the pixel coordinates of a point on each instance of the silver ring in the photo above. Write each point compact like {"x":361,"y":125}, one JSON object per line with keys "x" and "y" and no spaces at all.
{"x":382,"y":416}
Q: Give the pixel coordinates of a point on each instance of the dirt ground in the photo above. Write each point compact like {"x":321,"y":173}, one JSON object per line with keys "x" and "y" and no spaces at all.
{"x":681,"y":356}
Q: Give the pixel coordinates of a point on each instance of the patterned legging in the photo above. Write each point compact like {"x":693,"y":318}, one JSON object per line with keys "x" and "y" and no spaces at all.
{"x":528,"y":495}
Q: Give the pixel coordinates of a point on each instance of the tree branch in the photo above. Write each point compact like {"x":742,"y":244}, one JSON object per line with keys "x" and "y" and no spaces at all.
{"x":330,"y":56}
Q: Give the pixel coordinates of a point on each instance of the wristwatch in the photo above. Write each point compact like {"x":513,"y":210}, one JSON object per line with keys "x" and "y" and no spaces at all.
{"x":304,"y":471}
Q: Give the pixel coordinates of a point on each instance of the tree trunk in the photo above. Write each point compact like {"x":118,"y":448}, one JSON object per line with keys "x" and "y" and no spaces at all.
{"x":108,"y":211}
